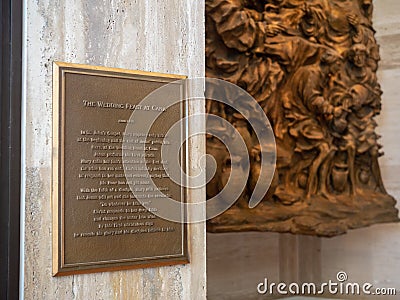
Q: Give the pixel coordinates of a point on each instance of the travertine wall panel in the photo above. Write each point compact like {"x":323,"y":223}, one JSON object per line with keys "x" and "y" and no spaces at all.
{"x":159,"y":36}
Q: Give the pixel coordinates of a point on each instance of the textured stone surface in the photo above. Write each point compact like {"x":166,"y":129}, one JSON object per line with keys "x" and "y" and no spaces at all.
{"x":160,"y":36}
{"x":237,"y":262}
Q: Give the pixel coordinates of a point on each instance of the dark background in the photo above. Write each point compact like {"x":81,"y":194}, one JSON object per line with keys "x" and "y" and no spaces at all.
{"x":10,"y":145}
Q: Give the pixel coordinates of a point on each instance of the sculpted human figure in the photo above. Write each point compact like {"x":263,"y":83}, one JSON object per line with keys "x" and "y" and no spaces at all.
{"x":337,"y":24}
{"x":313,"y":22}
{"x":367,"y":8}
{"x":367,"y":140}
{"x":308,"y":113}
{"x":235,"y":58}
{"x":357,"y":91}
{"x":356,"y":70}
{"x":356,"y":67}
{"x":358,"y":137}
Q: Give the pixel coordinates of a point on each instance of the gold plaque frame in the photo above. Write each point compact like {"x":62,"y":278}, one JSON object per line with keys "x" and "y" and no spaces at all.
{"x":82,"y":252}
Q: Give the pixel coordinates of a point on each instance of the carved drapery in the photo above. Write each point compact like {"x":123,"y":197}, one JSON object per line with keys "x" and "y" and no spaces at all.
{"x":311,"y":65}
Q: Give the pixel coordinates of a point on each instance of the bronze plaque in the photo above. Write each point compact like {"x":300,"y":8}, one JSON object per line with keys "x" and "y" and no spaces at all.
{"x":98,"y":224}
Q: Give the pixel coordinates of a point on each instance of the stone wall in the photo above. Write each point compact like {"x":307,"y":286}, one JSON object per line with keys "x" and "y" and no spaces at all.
{"x":159,"y":36}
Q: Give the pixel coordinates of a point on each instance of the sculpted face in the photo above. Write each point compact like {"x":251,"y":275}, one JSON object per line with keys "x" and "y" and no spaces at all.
{"x":358,"y":55}
{"x":359,"y":58}
{"x":335,"y":67}
{"x":359,"y":95}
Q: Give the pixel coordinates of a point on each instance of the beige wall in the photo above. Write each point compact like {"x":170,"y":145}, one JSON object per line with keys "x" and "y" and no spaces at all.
{"x":160,"y":36}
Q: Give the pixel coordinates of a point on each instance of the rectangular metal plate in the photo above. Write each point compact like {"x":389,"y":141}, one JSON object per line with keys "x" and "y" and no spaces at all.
{"x":98,"y":224}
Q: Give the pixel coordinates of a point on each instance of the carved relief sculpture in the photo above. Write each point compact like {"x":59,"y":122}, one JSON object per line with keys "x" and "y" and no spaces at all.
{"x":311,"y":65}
